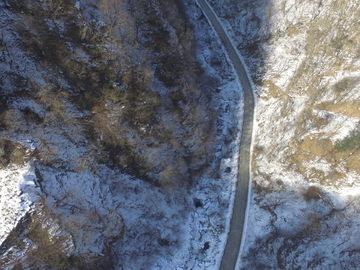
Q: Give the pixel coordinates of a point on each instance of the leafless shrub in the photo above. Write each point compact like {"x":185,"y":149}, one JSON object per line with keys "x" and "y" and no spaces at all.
{"x":11,"y":153}
{"x":312,"y":193}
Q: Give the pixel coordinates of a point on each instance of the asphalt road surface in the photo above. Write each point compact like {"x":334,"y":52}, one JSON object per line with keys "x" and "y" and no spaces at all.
{"x":232,"y":248}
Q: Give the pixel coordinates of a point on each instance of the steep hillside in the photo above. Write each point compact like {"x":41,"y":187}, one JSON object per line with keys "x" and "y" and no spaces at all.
{"x":304,"y":59}
{"x":128,"y":67}
{"x":119,"y":133}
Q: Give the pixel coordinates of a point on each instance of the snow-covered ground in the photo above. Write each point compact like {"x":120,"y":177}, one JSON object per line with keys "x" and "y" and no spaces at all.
{"x":97,"y":208}
{"x":304,"y":203}
{"x":14,"y":203}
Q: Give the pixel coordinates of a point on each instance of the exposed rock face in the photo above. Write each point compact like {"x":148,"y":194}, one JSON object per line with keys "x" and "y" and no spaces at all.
{"x":304,"y":59}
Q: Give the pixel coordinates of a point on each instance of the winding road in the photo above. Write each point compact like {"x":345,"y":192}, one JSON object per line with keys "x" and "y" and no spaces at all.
{"x":232,"y":248}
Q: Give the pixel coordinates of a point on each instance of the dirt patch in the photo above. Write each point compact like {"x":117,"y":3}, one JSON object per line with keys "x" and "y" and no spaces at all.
{"x":318,"y":150}
{"x":352,"y":161}
{"x":316,"y":147}
{"x":351,"y":108}
{"x":293,"y":31}
{"x":346,"y":84}
{"x":273,"y":90}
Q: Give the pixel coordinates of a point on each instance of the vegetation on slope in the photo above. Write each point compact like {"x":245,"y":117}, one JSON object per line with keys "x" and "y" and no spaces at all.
{"x":119,"y":79}
{"x":130,"y":68}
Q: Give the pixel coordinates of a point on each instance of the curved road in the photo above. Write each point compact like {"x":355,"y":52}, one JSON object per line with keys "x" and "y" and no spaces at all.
{"x":239,"y":212}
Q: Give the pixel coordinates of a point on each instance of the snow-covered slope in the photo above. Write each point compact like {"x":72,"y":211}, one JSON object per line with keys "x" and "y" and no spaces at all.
{"x":303,"y":56}
{"x":119,"y":136}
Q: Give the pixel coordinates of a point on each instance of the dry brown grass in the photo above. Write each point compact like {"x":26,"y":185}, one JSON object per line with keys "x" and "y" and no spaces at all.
{"x":273,"y":90}
{"x":323,"y":149}
{"x":350,"y":108}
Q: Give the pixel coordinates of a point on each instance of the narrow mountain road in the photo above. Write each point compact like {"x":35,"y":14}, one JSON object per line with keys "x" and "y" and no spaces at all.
{"x":238,"y":217}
